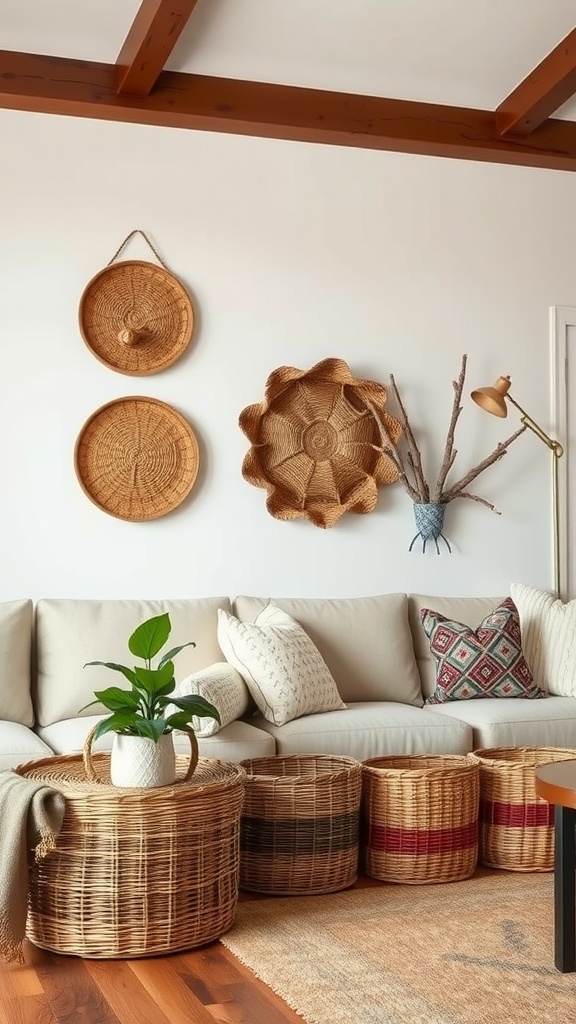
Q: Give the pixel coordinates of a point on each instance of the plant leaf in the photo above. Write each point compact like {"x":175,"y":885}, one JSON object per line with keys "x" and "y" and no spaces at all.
{"x":127,"y":672}
{"x":120,"y":721}
{"x":156,"y":680}
{"x":116,"y":699}
{"x":150,"y":636}
{"x":172,"y":654}
{"x":179,"y":720}
{"x":151,"y":728}
{"x":196,"y":705}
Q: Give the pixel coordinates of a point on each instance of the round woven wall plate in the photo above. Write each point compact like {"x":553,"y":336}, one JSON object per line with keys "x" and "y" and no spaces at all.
{"x":136,"y":317}
{"x":136,"y":458}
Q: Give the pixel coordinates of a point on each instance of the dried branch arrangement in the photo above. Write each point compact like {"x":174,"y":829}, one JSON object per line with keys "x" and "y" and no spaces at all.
{"x":406,"y":456}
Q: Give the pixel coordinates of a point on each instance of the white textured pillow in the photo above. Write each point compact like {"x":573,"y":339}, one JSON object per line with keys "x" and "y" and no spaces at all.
{"x":548,"y":628}
{"x":224,"y":687}
{"x":283,"y":669}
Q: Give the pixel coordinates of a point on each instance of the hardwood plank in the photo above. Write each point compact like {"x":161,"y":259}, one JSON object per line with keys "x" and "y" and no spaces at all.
{"x":22,"y":998}
{"x":124,"y":992}
{"x":56,"y":85}
{"x":545,"y":89}
{"x":72,"y":994}
{"x":152,"y":37}
{"x":169,"y":991}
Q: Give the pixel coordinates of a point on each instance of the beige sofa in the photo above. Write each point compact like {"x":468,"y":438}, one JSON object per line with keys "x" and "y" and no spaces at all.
{"x":375,"y":648}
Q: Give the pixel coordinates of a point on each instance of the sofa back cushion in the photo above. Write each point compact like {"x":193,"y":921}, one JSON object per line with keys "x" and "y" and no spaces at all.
{"x":468,"y":610}
{"x":15,"y":646}
{"x":70,"y":633}
{"x":365,"y":642}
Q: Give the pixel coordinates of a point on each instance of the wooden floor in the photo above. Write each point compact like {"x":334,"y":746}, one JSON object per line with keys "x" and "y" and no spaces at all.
{"x":204,"y":986}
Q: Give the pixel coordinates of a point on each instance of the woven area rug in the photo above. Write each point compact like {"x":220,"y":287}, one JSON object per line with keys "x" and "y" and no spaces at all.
{"x":473,"y":952}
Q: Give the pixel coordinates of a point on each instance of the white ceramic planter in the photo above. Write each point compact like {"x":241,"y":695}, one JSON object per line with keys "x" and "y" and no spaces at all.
{"x":137,"y":761}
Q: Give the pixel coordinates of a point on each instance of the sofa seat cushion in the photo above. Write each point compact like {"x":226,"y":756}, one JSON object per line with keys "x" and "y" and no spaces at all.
{"x":15,"y":646}
{"x":521,"y":722}
{"x":365,"y":642}
{"x":370,"y":729}
{"x":19,"y":744}
{"x":234,"y":742}
{"x":72,"y":632}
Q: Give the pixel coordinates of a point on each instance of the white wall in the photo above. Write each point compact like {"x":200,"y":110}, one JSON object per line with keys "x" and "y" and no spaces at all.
{"x":293,"y":253}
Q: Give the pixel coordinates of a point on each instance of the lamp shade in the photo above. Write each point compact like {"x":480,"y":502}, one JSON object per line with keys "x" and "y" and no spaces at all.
{"x":493,"y":399}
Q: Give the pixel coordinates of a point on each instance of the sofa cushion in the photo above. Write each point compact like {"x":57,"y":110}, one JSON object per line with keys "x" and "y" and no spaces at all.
{"x":549,"y":637}
{"x":482,"y":662}
{"x":235,"y":742}
{"x":365,"y":642}
{"x":72,"y":632}
{"x":223,"y":686}
{"x":18,"y":744}
{"x":468,"y":610}
{"x":516,"y":723}
{"x":283,"y":670}
{"x":15,"y":645}
{"x":371,"y":729}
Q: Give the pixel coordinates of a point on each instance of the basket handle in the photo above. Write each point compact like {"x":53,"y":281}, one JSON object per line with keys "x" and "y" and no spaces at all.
{"x":89,"y":764}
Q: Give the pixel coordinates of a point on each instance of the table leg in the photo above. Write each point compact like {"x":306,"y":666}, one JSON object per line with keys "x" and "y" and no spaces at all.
{"x":564,"y":889}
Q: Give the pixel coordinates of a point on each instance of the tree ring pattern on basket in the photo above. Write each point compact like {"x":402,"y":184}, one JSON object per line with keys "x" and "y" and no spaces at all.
{"x":136,"y":458}
{"x":136,"y":317}
{"x":316,"y":443}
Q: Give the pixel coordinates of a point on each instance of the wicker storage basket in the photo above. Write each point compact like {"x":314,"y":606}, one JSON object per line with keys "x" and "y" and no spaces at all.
{"x":516,"y":829}
{"x":300,"y":824}
{"x":420,"y":818}
{"x":137,"y":872}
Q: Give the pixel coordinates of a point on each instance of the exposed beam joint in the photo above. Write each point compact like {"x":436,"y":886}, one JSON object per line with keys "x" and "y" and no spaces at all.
{"x":149,"y":43}
{"x":57,"y":85}
{"x":542,"y":92}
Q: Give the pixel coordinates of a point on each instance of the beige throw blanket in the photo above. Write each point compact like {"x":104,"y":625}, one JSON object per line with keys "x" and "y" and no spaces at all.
{"x":31,"y":814}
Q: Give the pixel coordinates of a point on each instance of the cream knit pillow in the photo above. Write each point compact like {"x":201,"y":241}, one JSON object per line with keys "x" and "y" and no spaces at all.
{"x":224,"y":687}
{"x":282,"y":668}
{"x":548,"y":628}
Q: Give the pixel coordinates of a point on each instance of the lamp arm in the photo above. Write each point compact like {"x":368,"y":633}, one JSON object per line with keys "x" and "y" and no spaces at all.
{"x":527,"y":420}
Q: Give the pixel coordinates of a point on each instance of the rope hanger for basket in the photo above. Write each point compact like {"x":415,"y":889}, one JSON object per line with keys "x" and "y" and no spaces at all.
{"x":137,"y":231}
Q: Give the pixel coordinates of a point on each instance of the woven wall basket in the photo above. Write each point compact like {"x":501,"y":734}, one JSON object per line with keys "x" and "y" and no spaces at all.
{"x":136,"y":458}
{"x":316,"y":444}
{"x":136,"y":317}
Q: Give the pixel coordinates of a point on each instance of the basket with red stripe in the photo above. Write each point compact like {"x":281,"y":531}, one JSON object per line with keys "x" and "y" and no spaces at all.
{"x":420,"y":818}
{"x":516,"y":827}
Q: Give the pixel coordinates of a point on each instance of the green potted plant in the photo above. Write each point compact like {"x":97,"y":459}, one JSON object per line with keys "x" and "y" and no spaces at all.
{"x":142,"y":718}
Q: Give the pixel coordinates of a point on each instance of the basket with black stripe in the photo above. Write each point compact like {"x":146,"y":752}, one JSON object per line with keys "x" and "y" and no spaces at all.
{"x":299,"y":830}
{"x":420,"y":818}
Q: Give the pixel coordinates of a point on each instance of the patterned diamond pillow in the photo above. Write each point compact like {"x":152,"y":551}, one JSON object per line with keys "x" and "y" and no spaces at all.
{"x":485,"y":662}
{"x":283,"y":670}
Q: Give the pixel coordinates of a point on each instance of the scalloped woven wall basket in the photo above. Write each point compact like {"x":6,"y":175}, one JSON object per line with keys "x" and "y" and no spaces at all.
{"x":316,"y":444}
{"x":136,"y":458}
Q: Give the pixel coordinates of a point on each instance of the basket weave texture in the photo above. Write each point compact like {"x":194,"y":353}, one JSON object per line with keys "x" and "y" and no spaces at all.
{"x":516,"y":830}
{"x":300,"y":824}
{"x":137,"y":872}
{"x":136,"y":458}
{"x":135,"y":317}
{"x":420,"y":818}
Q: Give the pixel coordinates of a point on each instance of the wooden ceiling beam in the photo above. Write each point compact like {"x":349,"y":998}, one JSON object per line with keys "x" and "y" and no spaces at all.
{"x":57,"y":85}
{"x":541,"y":93}
{"x":149,"y":43}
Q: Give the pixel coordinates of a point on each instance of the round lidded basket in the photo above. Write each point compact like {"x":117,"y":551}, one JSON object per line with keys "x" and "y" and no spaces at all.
{"x":420,"y":816}
{"x":516,"y":830}
{"x":137,"y":872}
{"x":136,"y":458}
{"x":300,"y":824}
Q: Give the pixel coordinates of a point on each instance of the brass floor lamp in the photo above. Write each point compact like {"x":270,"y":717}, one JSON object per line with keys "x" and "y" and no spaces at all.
{"x":493,"y":400}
